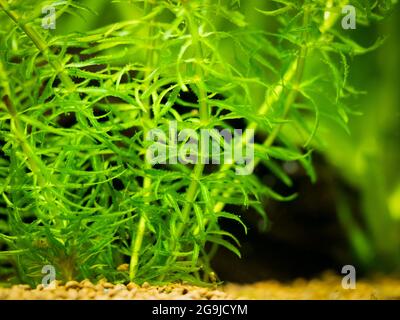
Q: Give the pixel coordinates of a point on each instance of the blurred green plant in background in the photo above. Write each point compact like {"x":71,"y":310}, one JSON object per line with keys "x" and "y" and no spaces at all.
{"x":368,"y":157}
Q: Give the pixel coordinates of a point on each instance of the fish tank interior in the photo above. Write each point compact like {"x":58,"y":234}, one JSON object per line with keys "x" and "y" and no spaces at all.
{"x":199,"y":149}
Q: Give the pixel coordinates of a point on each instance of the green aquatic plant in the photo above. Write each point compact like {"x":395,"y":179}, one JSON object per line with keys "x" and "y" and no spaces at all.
{"x":77,"y":191}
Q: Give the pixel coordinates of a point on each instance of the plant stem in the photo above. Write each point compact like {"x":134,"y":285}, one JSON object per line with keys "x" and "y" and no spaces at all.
{"x":136,"y":248}
{"x":137,"y":244}
{"x":35,"y":164}
{"x":191,"y":191}
{"x":204,"y":118}
{"x":41,"y":44}
{"x":298,"y":75}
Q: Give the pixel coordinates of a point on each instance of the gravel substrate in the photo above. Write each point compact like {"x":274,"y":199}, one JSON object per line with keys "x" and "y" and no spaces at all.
{"x":103,"y":290}
{"x":326,"y":287}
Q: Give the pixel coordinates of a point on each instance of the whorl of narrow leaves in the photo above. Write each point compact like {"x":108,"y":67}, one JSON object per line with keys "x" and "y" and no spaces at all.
{"x":76,"y":190}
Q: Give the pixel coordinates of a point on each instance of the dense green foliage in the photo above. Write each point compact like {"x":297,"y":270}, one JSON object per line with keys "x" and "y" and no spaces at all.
{"x":79,"y":194}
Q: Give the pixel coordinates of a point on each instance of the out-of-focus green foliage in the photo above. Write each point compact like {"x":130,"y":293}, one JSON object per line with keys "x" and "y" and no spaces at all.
{"x":369,"y":157}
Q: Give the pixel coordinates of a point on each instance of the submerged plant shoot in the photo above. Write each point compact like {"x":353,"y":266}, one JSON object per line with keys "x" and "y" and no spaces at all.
{"x":141,"y":138}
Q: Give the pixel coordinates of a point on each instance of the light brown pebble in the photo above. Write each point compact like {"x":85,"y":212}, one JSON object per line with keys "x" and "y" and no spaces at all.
{"x":72,"y":294}
{"x":132,"y":286}
{"x":120,"y":287}
{"x":98,"y":287}
{"x":110,"y":292}
{"x":39,"y":287}
{"x":72,"y":285}
{"x":145,"y":285}
{"x":209,"y":295}
{"x":123,"y":267}
{"x":86,"y":284}
{"x":23,"y":287}
{"x":108,"y":285}
{"x":132,"y":294}
{"x":61,"y":294}
{"x":86,"y":293}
